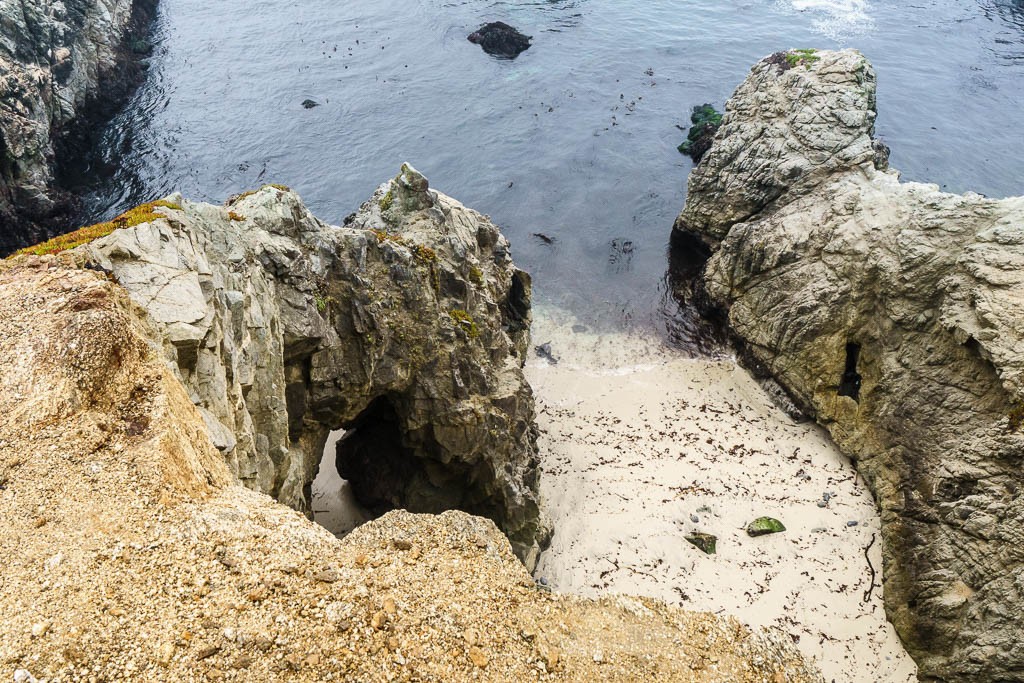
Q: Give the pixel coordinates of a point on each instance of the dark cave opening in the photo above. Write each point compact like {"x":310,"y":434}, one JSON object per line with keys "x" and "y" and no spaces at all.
{"x":373,"y":459}
{"x":849,"y":383}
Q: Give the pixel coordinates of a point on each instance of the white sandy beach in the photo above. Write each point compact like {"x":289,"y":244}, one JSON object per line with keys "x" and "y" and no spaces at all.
{"x":639,"y":441}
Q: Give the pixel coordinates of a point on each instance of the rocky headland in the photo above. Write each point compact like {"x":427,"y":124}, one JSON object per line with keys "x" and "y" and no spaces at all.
{"x":407,"y":327}
{"x":163,"y":366}
{"x":63,"y":65}
{"x":890,"y":312}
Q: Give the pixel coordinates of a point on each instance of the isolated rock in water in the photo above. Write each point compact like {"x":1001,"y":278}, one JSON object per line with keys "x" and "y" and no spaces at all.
{"x":705,"y":542}
{"x":764,"y":525}
{"x":409,"y":327}
{"x":62,"y":66}
{"x":705,"y":123}
{"x":500,"y":39}
{"x":104,"y":457}
{"x":894,"y":314}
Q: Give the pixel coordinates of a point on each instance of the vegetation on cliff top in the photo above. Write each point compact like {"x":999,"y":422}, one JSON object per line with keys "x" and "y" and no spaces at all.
{"x":144,"y":213}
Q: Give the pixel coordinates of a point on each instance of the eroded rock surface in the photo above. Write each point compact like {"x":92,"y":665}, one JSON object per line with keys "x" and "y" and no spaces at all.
{"x":892,"y":312}
{"x":408,"y":326}
{"x":58,"y":61}
{"x":131,"y":553}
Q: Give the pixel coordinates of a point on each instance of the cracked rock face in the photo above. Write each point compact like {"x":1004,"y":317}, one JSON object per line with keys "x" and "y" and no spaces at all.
{"x":58,"y":60}
{"x":892,"y":312}
{"x":408,"y":327}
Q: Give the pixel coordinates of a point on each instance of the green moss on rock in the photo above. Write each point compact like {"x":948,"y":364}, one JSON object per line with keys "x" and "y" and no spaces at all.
{"x":705,"y":542}
{"x":465,"y":322}
{"x":144,"y":213}
{"x":765,"y":525}
{"x":706,"y":122}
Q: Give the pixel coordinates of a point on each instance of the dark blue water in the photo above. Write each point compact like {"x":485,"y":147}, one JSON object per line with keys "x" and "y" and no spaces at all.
{"x":575,"y":139}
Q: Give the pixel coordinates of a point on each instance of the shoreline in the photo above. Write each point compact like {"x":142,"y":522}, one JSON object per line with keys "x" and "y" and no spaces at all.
{"x":638,"y":440}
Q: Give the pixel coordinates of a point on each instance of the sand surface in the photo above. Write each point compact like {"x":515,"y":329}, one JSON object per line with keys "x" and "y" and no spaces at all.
{"x":641,"y":445}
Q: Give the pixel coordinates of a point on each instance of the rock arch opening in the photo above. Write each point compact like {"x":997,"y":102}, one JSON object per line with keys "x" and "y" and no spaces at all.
{"x":369,"y":468}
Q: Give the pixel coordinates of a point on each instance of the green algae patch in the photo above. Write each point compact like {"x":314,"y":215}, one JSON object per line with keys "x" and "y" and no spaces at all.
{"x":764,"y":525}
{"x":705,"y":122}
{"x":144,"y":213}
{"x":706,"y":543}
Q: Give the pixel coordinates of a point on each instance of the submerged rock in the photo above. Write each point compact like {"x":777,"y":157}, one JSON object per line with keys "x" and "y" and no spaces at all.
{"x":408,"y":327}
{"x":501,"y":40}
{"x":893,"y":313}
{"x":63,"y":66}
{"x":765,"y":525}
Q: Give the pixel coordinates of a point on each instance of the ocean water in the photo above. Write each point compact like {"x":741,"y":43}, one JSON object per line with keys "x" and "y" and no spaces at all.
{"x":576,"y":139}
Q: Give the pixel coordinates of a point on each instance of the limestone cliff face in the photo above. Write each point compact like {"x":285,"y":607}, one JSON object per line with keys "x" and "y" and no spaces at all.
{"x":59,"y":62}
{"x":408,"y":326}
{"x":893,"y":313}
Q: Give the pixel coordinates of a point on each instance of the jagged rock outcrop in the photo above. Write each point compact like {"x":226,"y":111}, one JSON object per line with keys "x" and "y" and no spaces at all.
{"x":131,"y":553}
{"x":62,"y":64}
{"x":408,"y":326}
{"x":893,"y":313}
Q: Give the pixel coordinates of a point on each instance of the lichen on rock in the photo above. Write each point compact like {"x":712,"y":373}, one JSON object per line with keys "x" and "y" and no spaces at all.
{"x":408,"y":327}
{"x":892,"y":313}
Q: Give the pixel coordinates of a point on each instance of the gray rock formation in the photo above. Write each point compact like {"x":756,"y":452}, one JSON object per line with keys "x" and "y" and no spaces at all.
{"x":893,"y":313}
{"x":408,"y":326}
{"x":60,"y":62}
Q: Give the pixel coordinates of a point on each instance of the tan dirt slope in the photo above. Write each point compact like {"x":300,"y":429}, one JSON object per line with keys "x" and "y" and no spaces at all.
{"x":130,"y":554}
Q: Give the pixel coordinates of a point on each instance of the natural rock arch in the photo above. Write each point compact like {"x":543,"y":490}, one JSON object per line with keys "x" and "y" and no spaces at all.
{"x":285,"y":328}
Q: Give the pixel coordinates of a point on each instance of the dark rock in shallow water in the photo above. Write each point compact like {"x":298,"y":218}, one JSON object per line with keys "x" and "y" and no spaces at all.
{"x":500,"y":39}
{"x":706,"y":122}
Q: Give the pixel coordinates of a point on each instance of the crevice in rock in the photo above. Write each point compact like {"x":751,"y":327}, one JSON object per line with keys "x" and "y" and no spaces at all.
{"x":698,"y":326}
{"x":849,"y":383}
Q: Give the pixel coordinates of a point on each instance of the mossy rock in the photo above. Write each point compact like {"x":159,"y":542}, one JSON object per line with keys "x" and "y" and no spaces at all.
{"x":705,"y":122}
{"x":704,"y":542}
{"x":765,"y":525}
{"x":144,"y":213}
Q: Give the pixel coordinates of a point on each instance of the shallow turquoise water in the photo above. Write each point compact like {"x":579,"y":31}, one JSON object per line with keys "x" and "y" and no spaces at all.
{"x":575,"y":139}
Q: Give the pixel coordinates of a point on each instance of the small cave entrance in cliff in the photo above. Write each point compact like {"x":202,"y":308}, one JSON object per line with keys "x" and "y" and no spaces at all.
{"x":367,"y":470}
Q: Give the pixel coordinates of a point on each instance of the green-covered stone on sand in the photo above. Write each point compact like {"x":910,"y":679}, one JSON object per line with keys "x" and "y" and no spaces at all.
{"x":765,"y":525}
